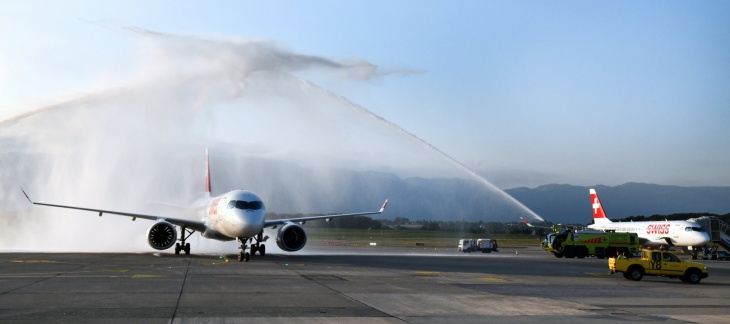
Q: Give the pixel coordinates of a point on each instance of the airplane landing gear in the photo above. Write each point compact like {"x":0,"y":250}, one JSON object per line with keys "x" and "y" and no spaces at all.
{"x":243,"y":255}
{"x":255,"y":247}
{"x":259,"y":245}
{"x":180,"y":247}
{"x":184,"y":235}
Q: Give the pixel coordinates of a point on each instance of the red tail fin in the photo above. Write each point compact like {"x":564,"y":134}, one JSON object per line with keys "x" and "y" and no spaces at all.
{"x":526,"y":222}
{"x":207,"y":173}
{"x":599,"y":215}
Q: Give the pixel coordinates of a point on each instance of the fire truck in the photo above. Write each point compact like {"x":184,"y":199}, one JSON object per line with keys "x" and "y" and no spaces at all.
{"x":572,"y":244}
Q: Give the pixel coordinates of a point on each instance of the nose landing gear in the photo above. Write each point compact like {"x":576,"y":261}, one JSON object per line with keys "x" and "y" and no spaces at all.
{"x":243,"y":255}
{"x":255,"y":247}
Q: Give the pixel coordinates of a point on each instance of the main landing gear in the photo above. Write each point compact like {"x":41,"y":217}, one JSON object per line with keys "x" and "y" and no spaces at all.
{"x":184,"y":235}
{"x":255,"y":247}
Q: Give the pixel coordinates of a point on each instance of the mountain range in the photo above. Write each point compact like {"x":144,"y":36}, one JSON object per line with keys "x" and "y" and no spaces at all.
{"x":571,"y":204}
{"x":464,"y":199}
{"x":289,"y":188}
{"x":456,"y":199}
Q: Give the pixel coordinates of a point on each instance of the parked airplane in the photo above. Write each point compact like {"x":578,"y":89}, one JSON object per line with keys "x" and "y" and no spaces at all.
{"x":236,"y":215}
{"x":683,"y":234}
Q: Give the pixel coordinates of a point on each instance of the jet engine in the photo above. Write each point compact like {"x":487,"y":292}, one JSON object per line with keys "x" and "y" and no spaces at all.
{"x":291,"y":237}
{"x":162,"y":236}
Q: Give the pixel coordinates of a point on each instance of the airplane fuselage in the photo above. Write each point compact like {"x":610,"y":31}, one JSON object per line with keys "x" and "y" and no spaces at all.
{"x":677,"y":233}
{"x":236,"y":214}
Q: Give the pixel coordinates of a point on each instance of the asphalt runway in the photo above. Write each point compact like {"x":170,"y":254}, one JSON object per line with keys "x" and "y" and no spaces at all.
{"x":337,"y":284}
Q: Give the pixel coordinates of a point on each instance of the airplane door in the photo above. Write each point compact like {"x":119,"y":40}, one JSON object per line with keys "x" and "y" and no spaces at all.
{"x":676,"y":229}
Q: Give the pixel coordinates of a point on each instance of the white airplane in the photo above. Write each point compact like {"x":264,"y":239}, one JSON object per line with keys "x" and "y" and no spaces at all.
{"x":684,"y":234}
{"x":236,"y":215}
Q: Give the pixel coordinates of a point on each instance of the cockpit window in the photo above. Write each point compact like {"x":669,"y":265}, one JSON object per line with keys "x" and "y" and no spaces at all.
{"x":696,"y":229}
{"x":246,"y":205}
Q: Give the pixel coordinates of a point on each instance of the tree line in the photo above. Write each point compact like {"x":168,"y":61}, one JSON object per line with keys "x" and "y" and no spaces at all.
{"x":462,"y":226}
{"x":402,"y":223}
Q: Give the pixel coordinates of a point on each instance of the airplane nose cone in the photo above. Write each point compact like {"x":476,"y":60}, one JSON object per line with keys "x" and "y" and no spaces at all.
{"x":703,"y":239}
{"x":245,"y":224}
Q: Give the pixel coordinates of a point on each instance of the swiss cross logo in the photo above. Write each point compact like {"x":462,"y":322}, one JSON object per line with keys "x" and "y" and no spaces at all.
{"x":596,"y":205}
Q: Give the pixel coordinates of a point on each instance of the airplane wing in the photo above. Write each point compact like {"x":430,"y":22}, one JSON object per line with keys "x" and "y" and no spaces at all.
{"x":669,"y":241}
{"x":191,"y":224}
{"x":275,"y":222}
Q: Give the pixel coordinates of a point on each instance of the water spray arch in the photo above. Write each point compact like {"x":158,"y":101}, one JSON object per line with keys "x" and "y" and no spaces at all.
{"x":143,"y":140}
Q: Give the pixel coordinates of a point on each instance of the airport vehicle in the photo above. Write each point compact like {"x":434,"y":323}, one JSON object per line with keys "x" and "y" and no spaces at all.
{"x":487,"y":245}
{"x":570,"y":244}
{"x":236,"y":215}
{"x":685,"y":234}
{"x":721,"y":255}
{"x":467,"y":245}
{"x":477,"y":245}
{"x":658,"y":263}
{"x":715,"y":255}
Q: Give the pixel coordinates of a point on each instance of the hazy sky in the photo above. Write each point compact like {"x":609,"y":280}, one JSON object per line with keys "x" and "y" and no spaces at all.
{"x":524,"y":92}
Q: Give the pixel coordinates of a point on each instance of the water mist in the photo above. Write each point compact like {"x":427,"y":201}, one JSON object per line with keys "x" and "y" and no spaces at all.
{"x":301,"y":147}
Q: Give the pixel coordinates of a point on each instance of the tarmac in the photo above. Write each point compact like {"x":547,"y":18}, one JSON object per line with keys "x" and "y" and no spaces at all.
{"x":354,"y":285}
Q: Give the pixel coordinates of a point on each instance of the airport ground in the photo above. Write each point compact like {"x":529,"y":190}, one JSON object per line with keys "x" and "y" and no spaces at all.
{"x":345,"y":284}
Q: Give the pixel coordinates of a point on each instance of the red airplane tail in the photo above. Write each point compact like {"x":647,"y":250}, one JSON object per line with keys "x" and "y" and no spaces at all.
{"x":599,"y":215}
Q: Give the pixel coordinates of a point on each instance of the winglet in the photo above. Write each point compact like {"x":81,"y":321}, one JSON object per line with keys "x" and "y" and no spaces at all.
{"x":382,"y":208}
{"x":26,"y":195}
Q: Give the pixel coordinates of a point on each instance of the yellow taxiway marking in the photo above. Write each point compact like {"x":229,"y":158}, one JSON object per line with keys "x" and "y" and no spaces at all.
{"x":91,"y":274}
{"x":29,"y":275}
{"x":221,"y":260}
{"x":142,"y":276}
{"x":33,"y":261}
{"x":428,"y":273}
{"x":489,"y":279}
{"x":598,"y":274}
